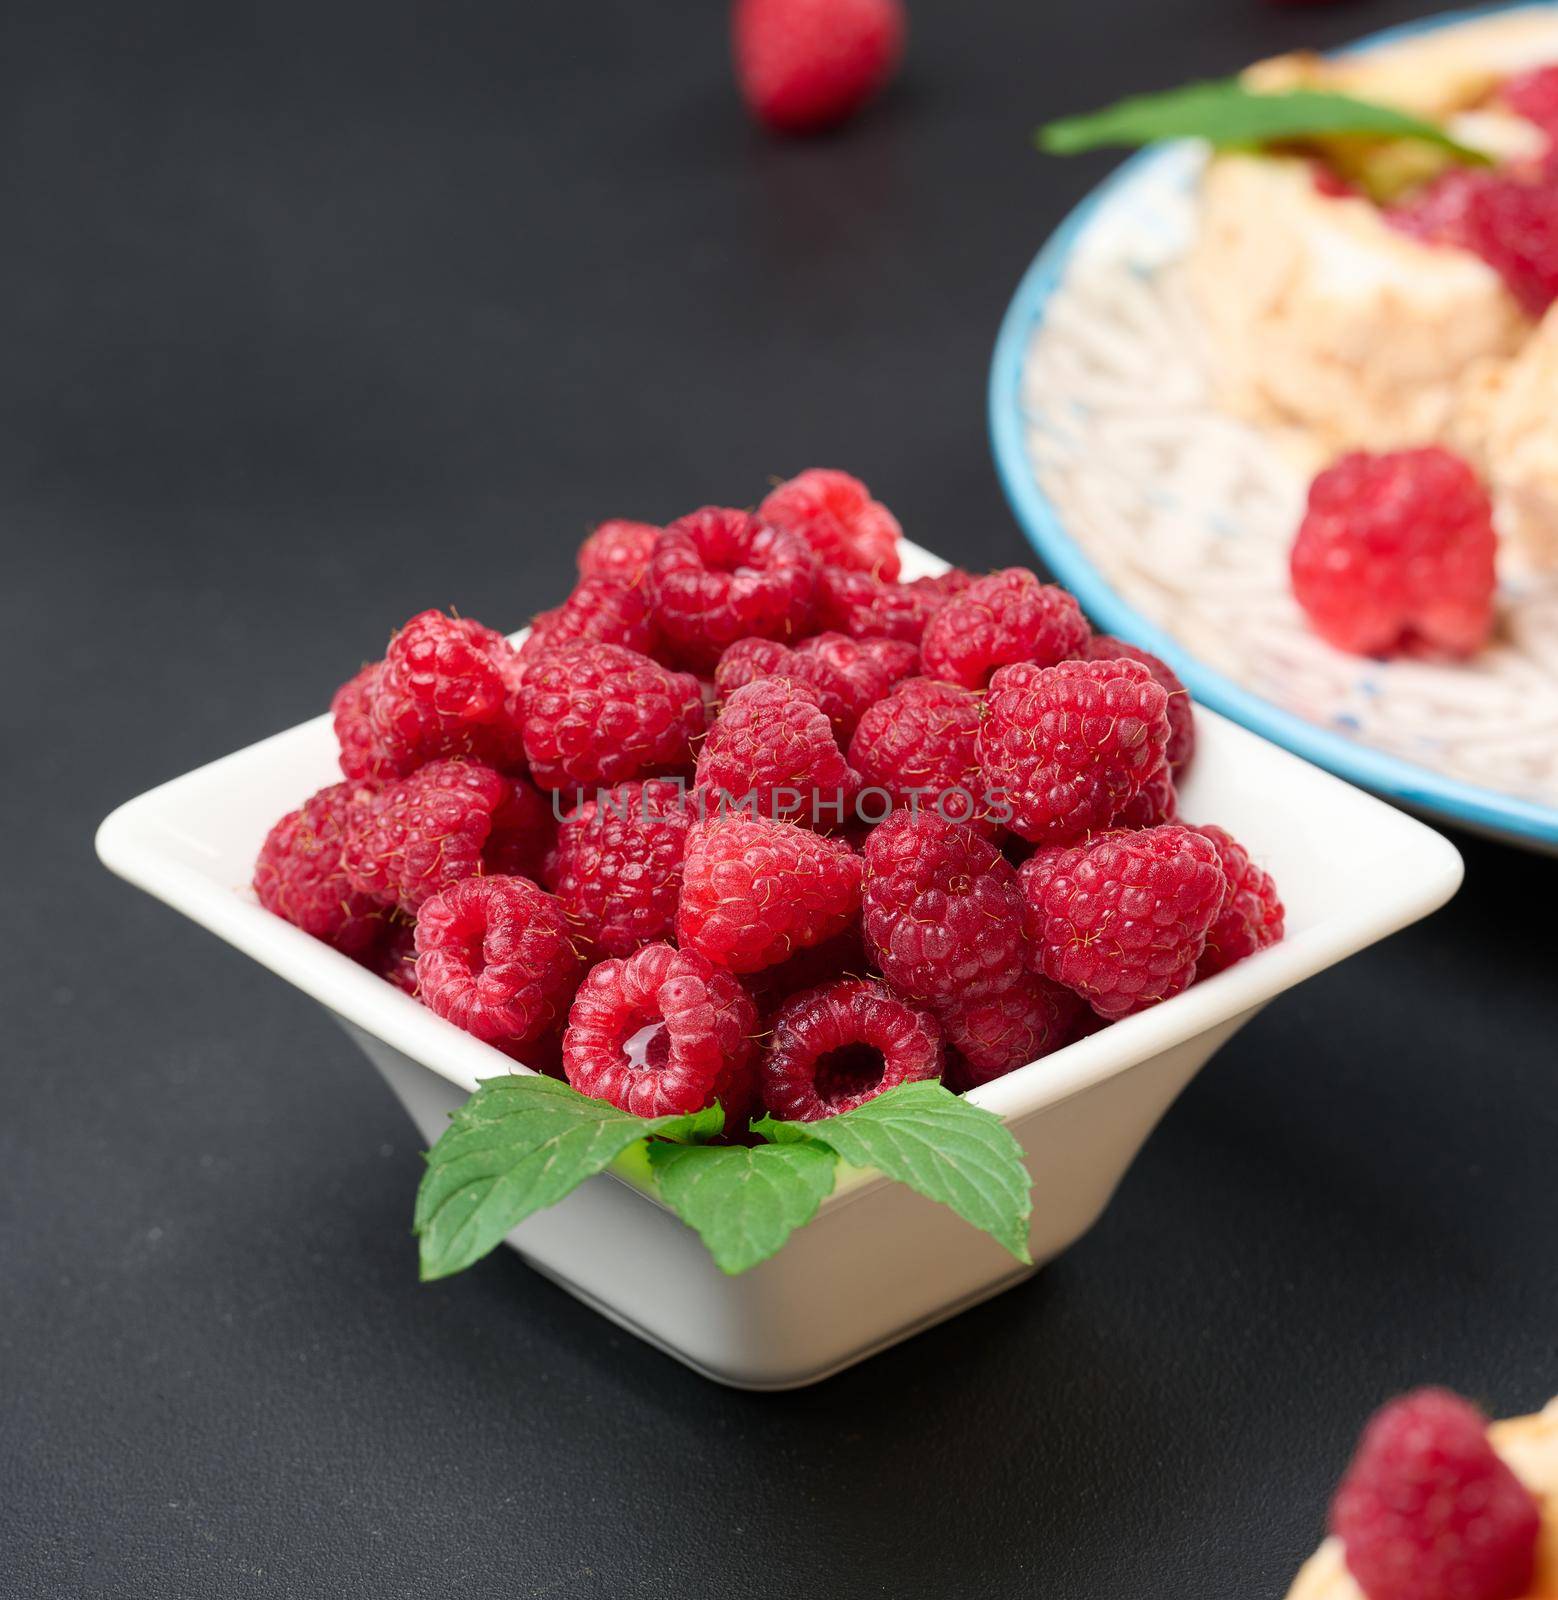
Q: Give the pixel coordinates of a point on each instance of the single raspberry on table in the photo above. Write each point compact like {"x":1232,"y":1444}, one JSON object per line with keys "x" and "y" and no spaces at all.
{"x":1069,"y":747}
{"x":835,"y":514}
{"x":848,"y":674}
{"x":617,"y":864}
{"x":299,"y":874}
{"x":1252,"y":914}
{"x":445,"y":690}
{"x":990,"y":1037}
{"x":803,"y":65}
{"x":618,"y":550}
{"x":833,"y":1048}
{"x":754,"y":892}
{"x":720,"y":575}
{"x":919,"y":747}
{"x":351,"y":711}
{"x":1181,"y":716}
{"x":600,"y":610}
{"x":1397,"y":550}
{"x":602,"y":714}
{"x":496,"y":957}
{"x":773,"y":750}
{"x":942,"y":914}
{"x":1428,"y":1511}
{"x":1123,"y":919}
{"x":663,"y":1032}
{"x":1004,"y":617}
{"x":864,"y":607}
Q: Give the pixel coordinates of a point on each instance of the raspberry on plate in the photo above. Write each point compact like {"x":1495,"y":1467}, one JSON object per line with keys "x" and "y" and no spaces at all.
{"x":835,"y":514}
{"x":848,"y":674}
{"x":395,"y":960}
{"x":919,"y":748}
{"x":661,"y":1033}
{"x":1181,"y":716}
{"x":864,"y":607}
{"x":602,"y":610}
{"x":719,"y":575}
{"x":1070,"y":746}
{"x":842,"y":956}
{"x":755,"y":891}
{"x":1428,"y":1510}
{"x":601,"y":713}
{"x":803,"y":65}
{"x":618,"y":550}
{"x":495,"y":956}
{"x":1004,"y":617}
{"x":942,"y":914}
{"x":299,"y":874}
{"x":1123,"y":919}
{"x":351,"y":711}
{"x":523,"y":829}
{"x":1252,"y":914}
{"x":1396,"y":550}
{"x":617,"y":864}
{"x":833,"y":1048}
{"x":990,"y":1037}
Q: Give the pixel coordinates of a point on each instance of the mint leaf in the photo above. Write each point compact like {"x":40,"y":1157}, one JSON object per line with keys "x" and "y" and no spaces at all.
{"x":744,"y":1204}
{"x":940,"y":1146}
{"x":517,"y":1145}
{"x":1225,"y":112}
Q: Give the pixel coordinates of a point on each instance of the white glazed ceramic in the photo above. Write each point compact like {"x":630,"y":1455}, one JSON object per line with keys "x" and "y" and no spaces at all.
{"x":878,"y":1263}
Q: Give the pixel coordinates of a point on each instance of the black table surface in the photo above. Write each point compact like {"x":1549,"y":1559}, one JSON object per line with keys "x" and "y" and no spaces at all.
{"x":315,"y":315}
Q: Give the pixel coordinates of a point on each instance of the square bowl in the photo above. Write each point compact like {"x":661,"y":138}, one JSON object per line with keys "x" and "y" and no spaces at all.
{"x":878,"y":1262}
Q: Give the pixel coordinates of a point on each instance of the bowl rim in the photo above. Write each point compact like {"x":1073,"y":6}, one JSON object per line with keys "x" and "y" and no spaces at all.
{"x":1473,"y":805}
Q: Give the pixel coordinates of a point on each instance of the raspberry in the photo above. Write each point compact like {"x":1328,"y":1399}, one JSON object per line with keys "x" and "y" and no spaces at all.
{"x":835,"y":514}
{"x":495,"y":956}
{"x":600,"y":610}
{"x":1182,"y":726}
{"x":299,"y":875}
{"x":1397,"y":550}
{"x":1123,"y":920}
{"x":772,"y":749}
{"x":1428,"y":1511}
{"x":755,"y":891}
{"x":1534,"y":96}
{"x":719,"y":575}
{"x":844,"y":955}
{"x":809,"y":64}
{"x":423,"y":833}
{"x":351,"y":711}
{"x":918,"y":746}
{"x":600,"y":713}
{"x":1005,"y":617}
{"x":1154,"y":804}
{"x":523,"y":828}
{"x":618,"y":550}
{"x":1251,"y":916}
{"x":863,"y":607}
{"x":837,"y":1046}
{"x":617,"y":864}
{"x":942,"y":915}
{"x":991,"y":1037}
{"x":444,"y":691}
{"x":1070,"y":746}
{"x":396,"y":959}
{"x":662,"y":1033}
{"x":848,"y":674}
{"x":944,"y":586}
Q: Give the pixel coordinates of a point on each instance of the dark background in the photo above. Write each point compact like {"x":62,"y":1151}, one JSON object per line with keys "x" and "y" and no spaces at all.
{"x":314,"y":315}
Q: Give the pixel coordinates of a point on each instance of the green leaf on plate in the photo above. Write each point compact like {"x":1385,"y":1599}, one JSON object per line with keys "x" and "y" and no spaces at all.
{"x":519,"y":1144}
{"x":744,"y":1204}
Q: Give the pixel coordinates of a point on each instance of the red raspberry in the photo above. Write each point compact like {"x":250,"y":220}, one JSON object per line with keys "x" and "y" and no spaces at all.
{"x":523,"y":829}
{"x":396,"y":959}
{"x":772,"y":749}
{"x":848,"y":674}
{"x":1397,"y":549}
{"x":1534,"y":96}
{"x":1156,"y":803}
{"x":942,"y":914}
{"x":617,"y":864}
{"x":618,"y":550}
{"x":423,"y":833}
{"x":844,"y":955}
{"x":1182,"y":725}
{"x":835,"y":1047}
{"x":835,"y":514}
{"x":863,"y":607}
{"x":495,"y":956}
{"x":1005,"y":617}
{"x":663,"y":1033}
{"x":918,"y":746}
{"x":445,"y":691}
{"x":1428,"y":1511}
{"x":944,"y":586}
{"x":601,"y":713}
{"x":1252,"y":914}
{"x":755,"y":891}
{"x":808,"y":64}
{"x":991,"y":1037}
{"x":1513,"y":225}
{"x":1070,"y":746}
{"x":1123,"y":920}
{"x":1437,"y":212}
{"x":600,"y":610}
{"x":299,"y":875}
{"x":352,"y":713}
{"x":717,"y":576}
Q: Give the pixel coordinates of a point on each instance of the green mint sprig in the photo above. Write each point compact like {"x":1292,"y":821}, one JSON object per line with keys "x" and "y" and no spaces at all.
{"x":521,"y":1143}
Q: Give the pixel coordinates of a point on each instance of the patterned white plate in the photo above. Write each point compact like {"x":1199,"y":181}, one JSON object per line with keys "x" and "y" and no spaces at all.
{"x":1172,"y":521}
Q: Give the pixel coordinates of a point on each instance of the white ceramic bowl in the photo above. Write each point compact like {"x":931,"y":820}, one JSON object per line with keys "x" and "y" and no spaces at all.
{"x":878,"y":1263}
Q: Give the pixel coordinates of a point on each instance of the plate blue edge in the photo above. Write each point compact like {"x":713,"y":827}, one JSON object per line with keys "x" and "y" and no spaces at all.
{"x":1464,"y":803}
